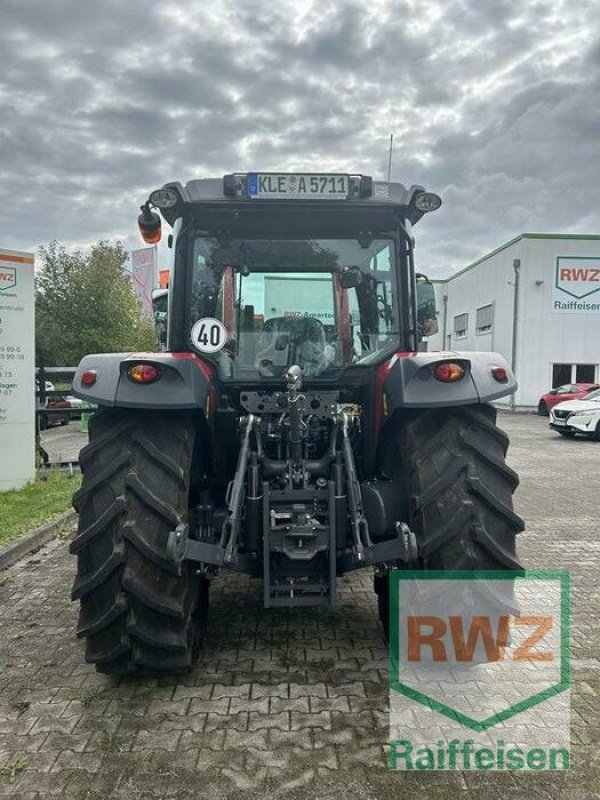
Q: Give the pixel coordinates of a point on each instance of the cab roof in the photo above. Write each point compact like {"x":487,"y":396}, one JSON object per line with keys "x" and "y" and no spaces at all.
{"x":235,"y":190}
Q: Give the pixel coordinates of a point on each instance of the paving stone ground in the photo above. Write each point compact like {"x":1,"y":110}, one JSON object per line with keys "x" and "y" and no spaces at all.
{"x":283,"y":703}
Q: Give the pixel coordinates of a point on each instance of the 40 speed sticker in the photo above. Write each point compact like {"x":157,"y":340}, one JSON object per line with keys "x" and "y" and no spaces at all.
{"x":209,"y":335}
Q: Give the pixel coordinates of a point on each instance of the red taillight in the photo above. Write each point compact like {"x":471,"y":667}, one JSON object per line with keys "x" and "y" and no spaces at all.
{"x":88,"y":378}
{"x":448,"y":372}
{"x":500,"y":374}
{"x":143,"y":373}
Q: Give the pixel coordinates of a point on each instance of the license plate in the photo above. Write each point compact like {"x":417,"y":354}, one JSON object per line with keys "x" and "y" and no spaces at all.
{"x":297,"y":187}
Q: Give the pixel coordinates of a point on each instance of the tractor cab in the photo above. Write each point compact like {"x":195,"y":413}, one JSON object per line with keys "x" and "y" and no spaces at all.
{"x":276,"y":270}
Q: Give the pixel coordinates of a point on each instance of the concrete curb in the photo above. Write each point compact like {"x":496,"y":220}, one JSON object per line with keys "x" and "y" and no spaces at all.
{"x":32,"y":541}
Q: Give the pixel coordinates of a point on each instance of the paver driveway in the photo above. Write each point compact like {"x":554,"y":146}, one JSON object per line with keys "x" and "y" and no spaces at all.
{"x":283,"y":703}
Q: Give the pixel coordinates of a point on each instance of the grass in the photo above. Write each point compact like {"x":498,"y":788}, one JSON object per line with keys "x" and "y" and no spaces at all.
{"x":10,"y":768}
{"x":36,"y":503}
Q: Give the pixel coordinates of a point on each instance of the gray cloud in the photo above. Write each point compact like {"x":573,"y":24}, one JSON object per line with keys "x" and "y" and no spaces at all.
{"x":492,"y":103}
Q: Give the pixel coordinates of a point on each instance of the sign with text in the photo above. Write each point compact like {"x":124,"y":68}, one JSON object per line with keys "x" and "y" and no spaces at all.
{"x":576,"y":287}
{"x":17,"y":358}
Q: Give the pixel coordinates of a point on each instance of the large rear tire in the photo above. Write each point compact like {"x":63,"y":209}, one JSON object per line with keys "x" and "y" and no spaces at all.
{"x":136,"y":610}
{"x":451,"y":462}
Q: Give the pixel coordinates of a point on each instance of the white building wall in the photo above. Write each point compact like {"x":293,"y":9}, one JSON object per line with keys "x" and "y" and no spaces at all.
{"x":544,"y":336}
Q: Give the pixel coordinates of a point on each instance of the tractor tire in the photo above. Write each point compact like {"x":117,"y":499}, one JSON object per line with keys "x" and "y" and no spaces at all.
{"x":451,"y":463}
{"x":137,"y":608}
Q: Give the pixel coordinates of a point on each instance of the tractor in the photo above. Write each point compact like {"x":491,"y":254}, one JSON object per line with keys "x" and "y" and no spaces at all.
{"x":294,"y":426}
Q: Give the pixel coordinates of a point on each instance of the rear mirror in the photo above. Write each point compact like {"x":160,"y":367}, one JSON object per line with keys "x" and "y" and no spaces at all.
{"x":427,"y":324}
{"x":350,"y":278}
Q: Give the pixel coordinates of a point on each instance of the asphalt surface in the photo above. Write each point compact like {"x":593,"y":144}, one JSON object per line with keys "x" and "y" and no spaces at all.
{"x":63,"y":442}
{"x":283,"y":703}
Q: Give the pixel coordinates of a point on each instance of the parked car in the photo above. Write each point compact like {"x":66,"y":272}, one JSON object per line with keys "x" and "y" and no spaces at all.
{"x":56,"y":404}
{"x":568,"y":391}
{"x":578,"y":416}
{"x":76,"y":404}
{"x":79,"y":406}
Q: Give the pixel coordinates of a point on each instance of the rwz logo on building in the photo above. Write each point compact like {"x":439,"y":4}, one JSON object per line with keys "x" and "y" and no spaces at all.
{"x":8,"y":278}
{"x":578,"y":277}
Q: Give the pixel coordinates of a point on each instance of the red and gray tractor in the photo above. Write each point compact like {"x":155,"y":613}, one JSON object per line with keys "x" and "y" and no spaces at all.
{"x":293,"y":428}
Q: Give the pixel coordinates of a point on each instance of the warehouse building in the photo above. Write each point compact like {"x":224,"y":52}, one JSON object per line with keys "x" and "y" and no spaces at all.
{"x":535,"y":300}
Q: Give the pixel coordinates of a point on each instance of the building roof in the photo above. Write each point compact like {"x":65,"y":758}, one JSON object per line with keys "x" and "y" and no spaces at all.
{"x":581,"y":236}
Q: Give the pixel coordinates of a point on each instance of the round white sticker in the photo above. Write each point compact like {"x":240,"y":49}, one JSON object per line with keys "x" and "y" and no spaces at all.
{"x":209,"y":335}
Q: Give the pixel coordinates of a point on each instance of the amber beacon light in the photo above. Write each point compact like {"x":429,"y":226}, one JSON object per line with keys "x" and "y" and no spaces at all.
{"x":149,"y":225}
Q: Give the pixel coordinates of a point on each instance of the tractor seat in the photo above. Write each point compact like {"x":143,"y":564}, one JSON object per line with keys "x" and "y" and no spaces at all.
{"x":288,"y":340}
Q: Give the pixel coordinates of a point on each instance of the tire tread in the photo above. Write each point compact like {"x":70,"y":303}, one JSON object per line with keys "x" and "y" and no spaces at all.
{"x":137,"y":608}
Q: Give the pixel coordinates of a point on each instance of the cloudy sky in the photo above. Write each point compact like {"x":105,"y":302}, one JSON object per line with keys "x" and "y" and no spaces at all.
{"x":493,"y":104}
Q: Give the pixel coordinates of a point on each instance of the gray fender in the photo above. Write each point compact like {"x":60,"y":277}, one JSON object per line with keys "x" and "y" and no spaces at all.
{"x":184,"y":381}
{"x":408,"y":380}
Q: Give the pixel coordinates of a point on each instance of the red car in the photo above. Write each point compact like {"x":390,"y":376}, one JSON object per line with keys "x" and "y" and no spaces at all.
{"x":569,"y":391}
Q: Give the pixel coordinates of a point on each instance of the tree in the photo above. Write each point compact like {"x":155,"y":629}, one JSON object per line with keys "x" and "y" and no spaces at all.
{"x":86,"y":304}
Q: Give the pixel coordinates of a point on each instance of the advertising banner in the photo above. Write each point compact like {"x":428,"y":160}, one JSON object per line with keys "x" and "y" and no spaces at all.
{"x":143,"y":269}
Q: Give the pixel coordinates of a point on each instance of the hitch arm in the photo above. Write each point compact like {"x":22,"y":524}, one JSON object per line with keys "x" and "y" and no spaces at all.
{"x":235,"y":497}
{"x":359,"y":524}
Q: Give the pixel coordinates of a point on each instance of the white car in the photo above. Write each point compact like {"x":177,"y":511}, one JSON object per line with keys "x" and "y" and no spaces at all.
{"x":578,"y":416}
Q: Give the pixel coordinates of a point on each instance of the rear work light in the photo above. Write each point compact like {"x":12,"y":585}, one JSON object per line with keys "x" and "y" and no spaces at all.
{"x":500,"y":374}
{"x":164,"y":198}
{"x":88,"y":378}
{"x":448,"y":372}
{"x":143,"y":373}
{"x":427,"y":201}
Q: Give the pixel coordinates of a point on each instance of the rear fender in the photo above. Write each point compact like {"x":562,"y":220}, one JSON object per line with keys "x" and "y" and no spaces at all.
{"x":407,"y":381}
{"x":184,"y":383}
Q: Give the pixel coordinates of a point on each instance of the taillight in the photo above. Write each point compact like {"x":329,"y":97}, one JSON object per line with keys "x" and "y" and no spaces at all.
{"x":143,"y":373}
{"x":448,"y":372}
{"x":88,"y":378}
{"x":500,"y":374}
